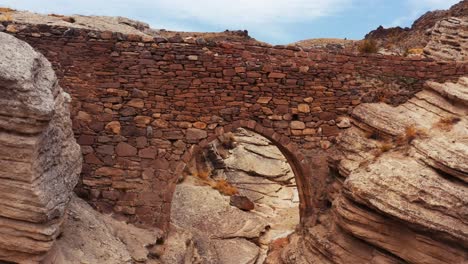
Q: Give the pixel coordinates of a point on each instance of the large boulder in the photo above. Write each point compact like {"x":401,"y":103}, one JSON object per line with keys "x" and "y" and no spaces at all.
{"x":40,"y":160}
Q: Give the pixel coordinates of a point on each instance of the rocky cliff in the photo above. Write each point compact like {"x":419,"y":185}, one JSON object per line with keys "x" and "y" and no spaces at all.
{"x":439,"y":30}
{"x":399,"y":189}
{"x":40,"y":160}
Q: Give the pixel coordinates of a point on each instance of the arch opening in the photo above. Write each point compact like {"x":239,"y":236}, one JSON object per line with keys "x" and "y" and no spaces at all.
{"x":249,"y":168}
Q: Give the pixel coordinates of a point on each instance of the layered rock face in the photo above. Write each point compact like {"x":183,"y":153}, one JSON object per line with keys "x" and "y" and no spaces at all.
{"x":399,"y":193}
{"x":449,"y":40}
{"x":39,"y":158}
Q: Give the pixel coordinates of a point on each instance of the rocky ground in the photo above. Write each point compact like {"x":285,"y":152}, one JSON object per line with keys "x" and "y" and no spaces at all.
{"x":399,"y":189}
{"x":213,"y":222}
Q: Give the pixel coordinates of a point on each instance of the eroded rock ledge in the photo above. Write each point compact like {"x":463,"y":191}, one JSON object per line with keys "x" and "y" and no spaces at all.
{"x":399,"y":194}
{"x":39,"y":158}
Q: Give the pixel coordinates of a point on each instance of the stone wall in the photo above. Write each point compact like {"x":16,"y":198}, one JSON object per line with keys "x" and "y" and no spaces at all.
{"x":140,"y":105}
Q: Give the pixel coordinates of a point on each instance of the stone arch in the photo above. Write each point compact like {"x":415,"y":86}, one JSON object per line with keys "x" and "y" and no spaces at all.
{"x":298,"y":162}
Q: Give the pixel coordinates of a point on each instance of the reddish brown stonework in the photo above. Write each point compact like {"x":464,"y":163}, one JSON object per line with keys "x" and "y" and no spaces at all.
{"x":141,"y":107}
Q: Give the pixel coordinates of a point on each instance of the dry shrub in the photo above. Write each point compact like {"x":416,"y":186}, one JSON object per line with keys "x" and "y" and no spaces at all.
{"x":228,"y":140}
{"x":6,"y":17}
{"x":385,"y":147}
{"x":446,"y":123}
{"x":414,"y":51}
{"x":225,"y":187}
{"x":202,"y":174}
{"x":5,"y":14}
{"x":6,"y":10}
{"x":368,"y":46}
{"x":411,"y":133}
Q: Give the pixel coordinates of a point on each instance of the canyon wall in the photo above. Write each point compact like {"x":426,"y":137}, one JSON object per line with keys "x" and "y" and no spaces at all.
{"x":142,"y":105}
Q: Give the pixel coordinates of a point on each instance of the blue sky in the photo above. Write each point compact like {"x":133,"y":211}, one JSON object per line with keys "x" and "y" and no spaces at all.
{"x":273,"y":21}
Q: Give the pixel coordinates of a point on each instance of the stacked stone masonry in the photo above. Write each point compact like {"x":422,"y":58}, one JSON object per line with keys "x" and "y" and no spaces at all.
{"x":141,"y":106}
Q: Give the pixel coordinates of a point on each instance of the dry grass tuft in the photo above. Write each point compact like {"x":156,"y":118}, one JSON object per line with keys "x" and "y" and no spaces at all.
{"x":6,"y":14}
{"x":414,"y":51}
{"x":368,"y":46}
{"x":411,"y":133}
{"x":385,"y":147}
{"x":446,"y":123}
{"x":225,"y":187}
{"x":202,"y":174}
{"x":228,"y":140}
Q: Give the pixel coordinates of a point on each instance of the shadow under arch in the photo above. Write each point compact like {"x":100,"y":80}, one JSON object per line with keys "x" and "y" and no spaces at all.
{"x":300,"y":165}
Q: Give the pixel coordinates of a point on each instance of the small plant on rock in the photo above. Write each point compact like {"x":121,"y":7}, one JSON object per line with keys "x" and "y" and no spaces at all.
{"x":385,"y":147}
{"x":228,"y":140}
{"x":411,"y":133}
{"x":225,"y":187}
{"x":6,"y":14}
{"x":446,"y":123}
{"x":202,"y":174}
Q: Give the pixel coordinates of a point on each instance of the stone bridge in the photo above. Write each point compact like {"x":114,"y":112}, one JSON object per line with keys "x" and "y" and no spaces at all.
{"x":143,"y":106}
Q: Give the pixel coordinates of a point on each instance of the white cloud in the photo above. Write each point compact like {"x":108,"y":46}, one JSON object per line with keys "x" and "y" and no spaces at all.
{"x":250,"y":12}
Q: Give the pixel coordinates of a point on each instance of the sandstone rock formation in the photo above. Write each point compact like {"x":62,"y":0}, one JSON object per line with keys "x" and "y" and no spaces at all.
{"x":236,"y":229}
{"x":40,"y":160}
{"x":399,"y":191}
{"x":449,"y":40}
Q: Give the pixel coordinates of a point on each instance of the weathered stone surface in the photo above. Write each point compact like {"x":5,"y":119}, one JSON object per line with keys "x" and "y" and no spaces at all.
{"x":40,"y":160}
{"x":191,"y":206}
{"x":114,"y":126}
{"x":90,"y":237}
{"x":124,"y":149}
{"x":387,"y":233}
{"x":242,"y":203}
{"x":405,"y":190}
{"x":194,"y":135}
{"x":393,"y":184}
{"x":449,"y":40}
{"x":179,"y":247}
{"x":257,"y":164}
{"x":327,"y":243}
